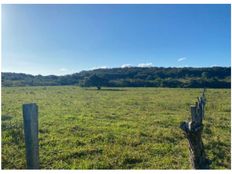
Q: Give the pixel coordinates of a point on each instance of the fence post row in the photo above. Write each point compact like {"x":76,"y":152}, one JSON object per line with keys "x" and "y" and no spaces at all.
{"x":30,"y":119}
{"x":193,"y":130}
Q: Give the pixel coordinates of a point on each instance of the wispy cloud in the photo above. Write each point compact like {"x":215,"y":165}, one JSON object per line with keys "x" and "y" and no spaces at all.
{"x":99,"y":67}
{"x":139,"y":65}
{"x":145,"y":65}
{"x":126,"y":65}
{"x":215,"y":65}
{"x":103,"y":67}
{"x":63,"y":69}
{"x":181,"y":59}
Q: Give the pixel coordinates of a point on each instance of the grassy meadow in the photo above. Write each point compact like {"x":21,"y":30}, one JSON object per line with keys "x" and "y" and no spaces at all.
{"x":114,"y":128}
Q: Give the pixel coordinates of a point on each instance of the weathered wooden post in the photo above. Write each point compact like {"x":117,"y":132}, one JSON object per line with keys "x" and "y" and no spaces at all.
{"x":193,"y":130}
{"x":30,"y":119}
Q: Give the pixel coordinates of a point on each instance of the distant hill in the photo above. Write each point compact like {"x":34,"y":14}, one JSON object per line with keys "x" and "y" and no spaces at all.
{"x":209,"y":77}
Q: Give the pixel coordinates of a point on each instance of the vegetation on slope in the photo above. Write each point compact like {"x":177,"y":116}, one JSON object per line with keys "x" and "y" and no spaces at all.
{"x":214,"y":77}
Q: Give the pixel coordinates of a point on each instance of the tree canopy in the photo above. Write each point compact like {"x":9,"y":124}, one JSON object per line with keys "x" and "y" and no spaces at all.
{"x":93,"y":80}
{"x":209,"y":77}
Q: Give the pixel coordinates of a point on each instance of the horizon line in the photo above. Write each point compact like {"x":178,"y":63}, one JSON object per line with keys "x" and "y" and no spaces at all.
{"x":118,"y":68}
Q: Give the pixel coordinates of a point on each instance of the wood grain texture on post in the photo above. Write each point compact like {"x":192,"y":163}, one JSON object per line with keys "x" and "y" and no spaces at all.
{"x":193,"y":113}
{"x":193,"y":130}
{"x":30,"y":119}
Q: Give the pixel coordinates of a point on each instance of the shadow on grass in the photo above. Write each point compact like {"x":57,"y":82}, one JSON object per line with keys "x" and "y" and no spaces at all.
{"x":14,"y":131}
{"x":218,"y":150}
{"x":105,"y":89}
{"x":6,"y":117}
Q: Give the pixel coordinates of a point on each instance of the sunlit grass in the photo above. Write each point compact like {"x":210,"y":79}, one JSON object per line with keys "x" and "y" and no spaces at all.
{"x":113,"y":128}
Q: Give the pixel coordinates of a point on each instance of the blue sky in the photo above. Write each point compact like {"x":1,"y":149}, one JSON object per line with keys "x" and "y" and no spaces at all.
{"x":63,"y":39}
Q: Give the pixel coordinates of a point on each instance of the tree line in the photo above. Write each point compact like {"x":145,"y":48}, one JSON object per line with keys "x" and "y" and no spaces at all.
{"x":209,"y":77}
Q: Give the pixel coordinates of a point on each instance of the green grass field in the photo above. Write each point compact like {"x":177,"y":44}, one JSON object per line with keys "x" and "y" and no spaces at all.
{"x":114,"y":128}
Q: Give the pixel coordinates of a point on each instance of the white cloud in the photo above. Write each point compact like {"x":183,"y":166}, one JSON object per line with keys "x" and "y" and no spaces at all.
{"x":100,"y":67}
{"x":126,"y":65}
{"x":145,"y":65}
{"x":215,"y":65}
{"x":63,"y":69}
{"x":181,"y":59}
{"x":103,"y":67}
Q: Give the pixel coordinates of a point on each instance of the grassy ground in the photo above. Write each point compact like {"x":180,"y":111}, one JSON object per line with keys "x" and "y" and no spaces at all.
{"x":119,"y":128}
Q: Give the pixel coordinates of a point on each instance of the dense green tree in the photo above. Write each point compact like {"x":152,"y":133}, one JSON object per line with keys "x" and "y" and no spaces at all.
{"x":94,"y":80}
{"x":213,"y":77}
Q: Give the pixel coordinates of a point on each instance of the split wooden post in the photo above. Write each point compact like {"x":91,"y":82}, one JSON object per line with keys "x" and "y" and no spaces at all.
{"x":30,"y":119}
{"x":193,"y":130}
{"x":193,"y":113}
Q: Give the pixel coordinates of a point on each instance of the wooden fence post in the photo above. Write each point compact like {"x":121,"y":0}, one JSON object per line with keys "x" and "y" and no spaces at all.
{"x":30,"y":119}
{"x":193,"y":130}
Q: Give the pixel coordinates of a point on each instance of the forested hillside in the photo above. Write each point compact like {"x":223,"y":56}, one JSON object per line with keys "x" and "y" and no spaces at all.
{"x":214,"y":77}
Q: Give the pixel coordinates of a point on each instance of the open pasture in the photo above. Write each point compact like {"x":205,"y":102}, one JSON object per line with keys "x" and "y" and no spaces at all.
{"x":114,"y":128}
